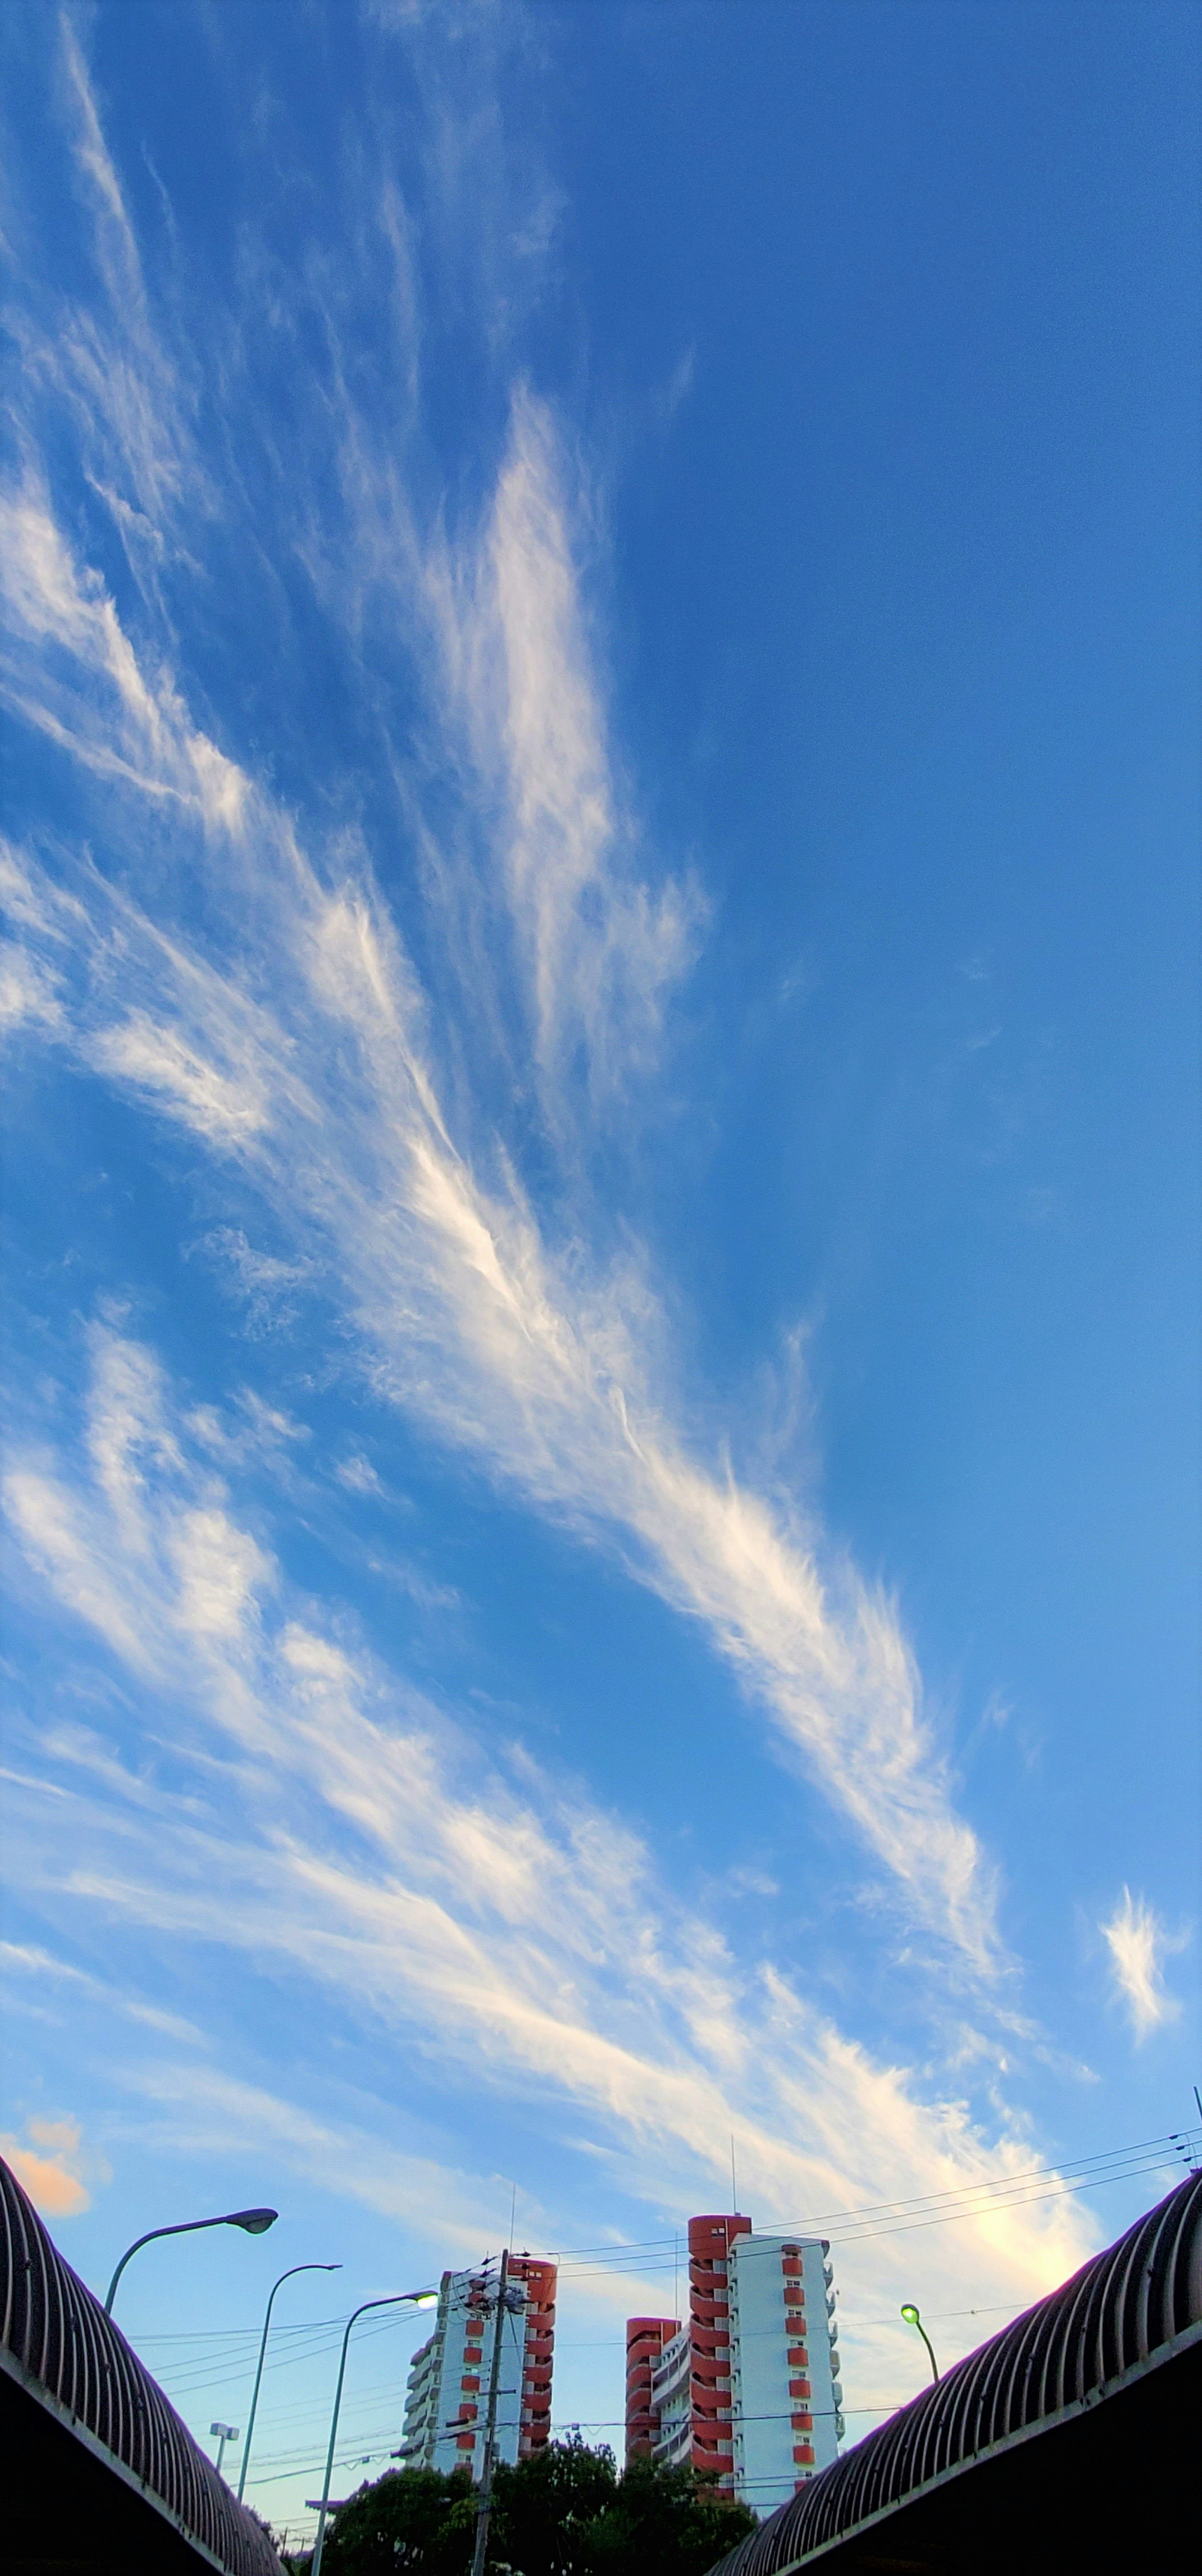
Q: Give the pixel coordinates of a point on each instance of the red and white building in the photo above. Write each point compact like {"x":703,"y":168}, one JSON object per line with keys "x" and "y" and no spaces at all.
{"x":447,"y":2396}
{"x":646,"y":2338}
{"x":748,"y":2389}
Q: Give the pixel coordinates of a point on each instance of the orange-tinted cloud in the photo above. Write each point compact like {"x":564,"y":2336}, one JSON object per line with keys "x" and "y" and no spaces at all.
{"x":48,"y":2178}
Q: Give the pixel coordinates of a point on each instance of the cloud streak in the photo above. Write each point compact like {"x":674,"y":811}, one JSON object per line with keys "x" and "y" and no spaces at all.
{"x":464,"y":1317}
{"x":237,"y":971}
{"x":331,"y":1819}
{"x":1138,"y":1943}
{"x":599,"y":950}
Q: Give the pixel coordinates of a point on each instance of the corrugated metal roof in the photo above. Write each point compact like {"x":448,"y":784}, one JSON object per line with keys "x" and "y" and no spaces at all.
{"x":60,"y":2339}
{"x":1122,"y":2313}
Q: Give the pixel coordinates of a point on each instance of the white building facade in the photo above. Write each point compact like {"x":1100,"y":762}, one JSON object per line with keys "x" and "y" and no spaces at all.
{"x":785,"y":2393}
{"x":671,"y":2396}
{"x":748,"y":2392}
{"x":446,"y":2398}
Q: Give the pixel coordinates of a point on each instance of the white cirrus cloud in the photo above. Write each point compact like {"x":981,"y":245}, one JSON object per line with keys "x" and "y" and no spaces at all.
{"x":1139,"y":1942}
{"x":599,"y":950}
{"x":70,"y":669}
{"x":304,"y":1808}
{"x":27,"y":990}
{"x":539,"y":1365}
{"x":280,"y":1026}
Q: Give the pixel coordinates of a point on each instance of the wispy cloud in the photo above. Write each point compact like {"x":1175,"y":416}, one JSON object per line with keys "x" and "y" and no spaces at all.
{"x":47,"y":2161}
{"x":599,"y":950}
{"x":101,"y":708}
{"x":335,"y":1820}
{"x":1138,"y":1943}
{"x":539,"y":1366}
{"x":27,"y":990}
{"x":193,"y":2107}
{"x":358,"y":1475}
{"x":263,"y":1282}
{"x":27,"y":1963}
{"x":256,"y":994}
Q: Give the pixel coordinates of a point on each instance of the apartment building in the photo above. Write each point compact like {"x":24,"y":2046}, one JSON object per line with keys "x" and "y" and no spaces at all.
{"x":748,"y":2389}
{"x":646,"y":2338}
{"x":446,"y":2398}
{"x":785,"y":2394}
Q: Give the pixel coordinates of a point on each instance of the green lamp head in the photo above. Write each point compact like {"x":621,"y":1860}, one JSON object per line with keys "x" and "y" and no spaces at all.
{"x":911,"y":2316}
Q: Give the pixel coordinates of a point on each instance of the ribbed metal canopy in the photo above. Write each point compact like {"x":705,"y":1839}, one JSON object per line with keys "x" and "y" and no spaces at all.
{"x":61,"y":2350}
{"x":1126,"y":2313}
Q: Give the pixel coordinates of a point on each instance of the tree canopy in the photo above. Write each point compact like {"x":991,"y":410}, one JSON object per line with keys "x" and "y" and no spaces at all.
{"x":566,"y":2512}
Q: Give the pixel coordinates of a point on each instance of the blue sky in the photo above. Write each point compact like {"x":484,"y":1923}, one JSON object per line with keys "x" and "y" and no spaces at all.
{"x":602,"y":1214}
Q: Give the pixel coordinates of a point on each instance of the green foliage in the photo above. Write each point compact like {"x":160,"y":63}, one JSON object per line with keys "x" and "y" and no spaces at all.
{"x":545,"y":2509}
{"x":566,"y":2512}
{"x":664,"y":2518}
{"x":414,"y":2518}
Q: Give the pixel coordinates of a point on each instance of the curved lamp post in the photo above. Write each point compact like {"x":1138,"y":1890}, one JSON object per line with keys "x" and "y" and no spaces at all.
{"x":284,"y":2276}
{"x":418,"y":2298}
{"x":255,"y":2221}
{"x":912,"y":2318}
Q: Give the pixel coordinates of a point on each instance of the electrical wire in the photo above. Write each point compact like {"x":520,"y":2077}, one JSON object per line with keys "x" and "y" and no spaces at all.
{"x":885,"y":2218}
{"x":313,"y":2340}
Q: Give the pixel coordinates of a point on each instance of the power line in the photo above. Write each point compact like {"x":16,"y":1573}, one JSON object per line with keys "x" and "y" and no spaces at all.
{"x":196,"y":2369}
{"x":965,"y":2200}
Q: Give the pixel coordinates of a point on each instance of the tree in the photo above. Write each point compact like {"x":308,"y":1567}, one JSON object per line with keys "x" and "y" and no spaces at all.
{"x":565,"y":2512}
{"x":414,"y":2518}
{"x":546,"y":2508}
{"x":666,"y":2518}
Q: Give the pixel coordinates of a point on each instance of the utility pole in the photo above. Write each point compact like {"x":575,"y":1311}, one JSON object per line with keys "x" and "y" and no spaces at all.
{"x":484,"y":2499}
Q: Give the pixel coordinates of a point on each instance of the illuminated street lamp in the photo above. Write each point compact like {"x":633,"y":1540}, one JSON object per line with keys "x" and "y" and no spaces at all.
{"x":418,"y":2299}
{"x":284,"y":2276}
{"x":255,"y":2222}
{"x":912,"y":2318}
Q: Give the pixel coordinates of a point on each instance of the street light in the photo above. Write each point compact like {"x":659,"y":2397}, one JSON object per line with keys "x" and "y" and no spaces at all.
{"x":229,"y":2433}
{"x":284,"y":2276}
{"x":255,"y":2221}
{"x":419,"y":2299}
{"x":912,"y":2318}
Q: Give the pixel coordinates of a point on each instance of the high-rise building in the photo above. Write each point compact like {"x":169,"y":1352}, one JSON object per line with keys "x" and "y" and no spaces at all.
{"x":749,"y":2388}
{"x":645,"y":2341}
{"x":446,"y":2399}
{"x":786,"y":2399}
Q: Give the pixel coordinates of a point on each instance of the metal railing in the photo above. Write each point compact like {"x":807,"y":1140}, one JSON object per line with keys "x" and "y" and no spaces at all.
{"x":57,"y":2335}
{"x":1120,"y":2312}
